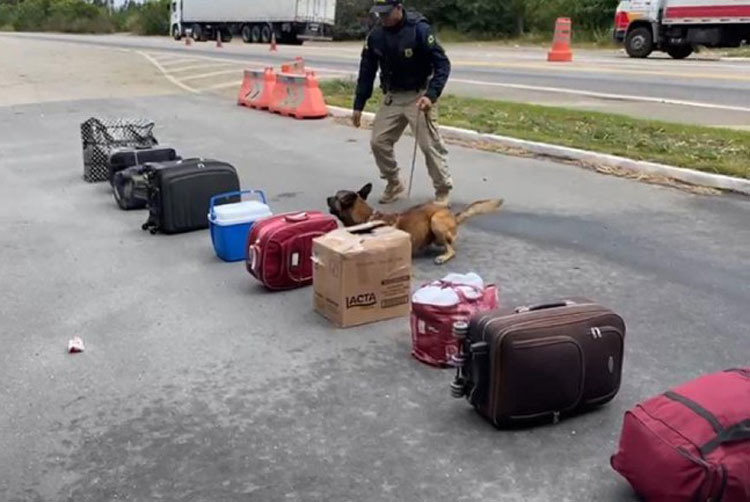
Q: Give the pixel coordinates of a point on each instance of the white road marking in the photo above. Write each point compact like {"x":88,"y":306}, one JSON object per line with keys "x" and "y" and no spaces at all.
{"x":234,"y":83}
{"x":200,"y":67}
{"x":233,"y":61}
{"x":557,"y":90}
{"x":212,"y":74}
{"x":170,"y":61}
{"x":606,"y":96}
{"x":167,"y":75}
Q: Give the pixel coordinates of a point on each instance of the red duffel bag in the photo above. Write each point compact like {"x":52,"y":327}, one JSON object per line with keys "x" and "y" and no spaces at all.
{"x":439,"y":304}
{"x":691,"y":443}
{"x":279,"y":248}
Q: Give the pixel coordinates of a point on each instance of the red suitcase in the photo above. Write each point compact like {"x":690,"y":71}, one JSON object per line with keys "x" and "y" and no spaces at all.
{"x":279,"y":248}
{"x":691,"y":443}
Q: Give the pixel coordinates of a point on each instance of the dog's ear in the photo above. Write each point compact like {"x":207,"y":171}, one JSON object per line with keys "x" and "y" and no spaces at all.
{"x":348,"y":199}
{"x":364,"y":192}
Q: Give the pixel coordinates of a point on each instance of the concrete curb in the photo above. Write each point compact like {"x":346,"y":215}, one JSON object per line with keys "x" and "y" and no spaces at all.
{"x":684,"y":175}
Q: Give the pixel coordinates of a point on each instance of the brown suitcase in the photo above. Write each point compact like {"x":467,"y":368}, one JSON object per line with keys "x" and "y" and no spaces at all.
{"x":539,"y":362}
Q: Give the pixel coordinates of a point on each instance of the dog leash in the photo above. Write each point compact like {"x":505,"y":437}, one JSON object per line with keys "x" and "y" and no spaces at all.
{"x":414,"y":155}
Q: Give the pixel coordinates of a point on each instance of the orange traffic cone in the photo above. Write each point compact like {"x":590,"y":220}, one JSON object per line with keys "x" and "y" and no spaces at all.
{"x":560,"y":52}
{"x":273,"y":42}
{"x":296,"y":66}
{"x":219,"y":45}
{"x":188,"y":40}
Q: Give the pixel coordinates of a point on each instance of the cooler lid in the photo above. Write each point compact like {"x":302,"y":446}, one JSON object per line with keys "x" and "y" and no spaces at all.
{"x":240,"y":212}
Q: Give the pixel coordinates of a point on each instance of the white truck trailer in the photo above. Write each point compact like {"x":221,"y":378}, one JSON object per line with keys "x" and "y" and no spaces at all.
{"x":678,"y":26}
{"x":292,"y":21}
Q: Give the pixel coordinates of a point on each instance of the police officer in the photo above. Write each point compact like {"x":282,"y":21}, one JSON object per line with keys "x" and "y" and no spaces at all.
{"x":413,"y":73}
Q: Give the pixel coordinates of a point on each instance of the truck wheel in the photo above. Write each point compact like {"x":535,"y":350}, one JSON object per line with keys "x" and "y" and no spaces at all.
{"x":639,"y":43}
{"x":226,"y":36}
{"x":198,"y":34}
{"x":247,"y":33}
{"x":680,"y":51}
{"x":265,"y":34}
{"x":256,"y":34}
{"x":176,"y":33}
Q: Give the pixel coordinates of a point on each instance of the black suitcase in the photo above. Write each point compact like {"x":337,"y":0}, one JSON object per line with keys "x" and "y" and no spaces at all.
{"x":122,"y":158}
{"x":130,"y":186}
{"x":540,"y":362}
{"x":179,"y":193}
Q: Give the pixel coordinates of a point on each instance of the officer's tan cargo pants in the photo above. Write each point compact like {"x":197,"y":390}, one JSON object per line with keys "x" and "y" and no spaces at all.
{"x":398,"y":110}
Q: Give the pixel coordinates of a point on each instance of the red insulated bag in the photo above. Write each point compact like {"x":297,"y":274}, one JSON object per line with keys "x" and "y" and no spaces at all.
{"x":432,"y":325}
{"x":279,"y":248}
{"x":691,"y":443}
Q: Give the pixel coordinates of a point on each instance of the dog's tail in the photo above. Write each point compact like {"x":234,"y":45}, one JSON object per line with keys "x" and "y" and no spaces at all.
{"x":477,"y":208}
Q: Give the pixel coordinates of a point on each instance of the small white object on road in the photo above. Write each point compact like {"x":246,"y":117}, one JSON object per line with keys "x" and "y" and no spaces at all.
{"x":75,"y":345}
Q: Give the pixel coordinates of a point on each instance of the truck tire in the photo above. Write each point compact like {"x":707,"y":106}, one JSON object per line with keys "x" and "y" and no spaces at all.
{"x":176,"y":33}
{"x":640,"y":42}
{"x":265,"y":34}
{"x":679,"y":51}
{"x":256,"y":35}
{"x":247,"y":33}
{"x":198,"y":34}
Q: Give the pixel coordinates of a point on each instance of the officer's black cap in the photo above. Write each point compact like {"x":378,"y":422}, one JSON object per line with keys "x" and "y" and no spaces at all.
{"x":384,"y":6}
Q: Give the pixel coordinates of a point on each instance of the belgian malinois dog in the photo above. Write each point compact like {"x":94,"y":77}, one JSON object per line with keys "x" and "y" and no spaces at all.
{"x":427,"y":223}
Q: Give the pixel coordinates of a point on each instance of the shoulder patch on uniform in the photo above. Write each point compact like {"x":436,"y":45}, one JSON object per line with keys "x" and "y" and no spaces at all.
{"x":408,"y":53}
{"x":430,"y":39}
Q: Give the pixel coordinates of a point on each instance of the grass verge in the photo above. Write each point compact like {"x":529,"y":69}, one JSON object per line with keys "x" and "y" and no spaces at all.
{"x":738,"y":52}
{"x":714,"y":150}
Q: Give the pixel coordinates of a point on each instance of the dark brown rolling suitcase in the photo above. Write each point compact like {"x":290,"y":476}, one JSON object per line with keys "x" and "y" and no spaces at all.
{"x":540,"y":362}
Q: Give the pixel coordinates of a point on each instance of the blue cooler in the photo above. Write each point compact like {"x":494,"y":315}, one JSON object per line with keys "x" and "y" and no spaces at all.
{"x":230,"y":223}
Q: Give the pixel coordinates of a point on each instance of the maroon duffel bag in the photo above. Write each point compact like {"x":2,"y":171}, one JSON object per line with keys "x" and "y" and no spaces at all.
{"x":691,"y":443}
{"x":279,"y":248}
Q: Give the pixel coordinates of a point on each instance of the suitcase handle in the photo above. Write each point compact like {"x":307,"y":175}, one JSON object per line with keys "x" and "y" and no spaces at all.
{"x":226,"y":195}
{"x":296,"y":217}
{"x":543,"y":306}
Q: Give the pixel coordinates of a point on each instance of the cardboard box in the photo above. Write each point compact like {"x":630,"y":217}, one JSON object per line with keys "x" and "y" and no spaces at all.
{"x":362,"y":274}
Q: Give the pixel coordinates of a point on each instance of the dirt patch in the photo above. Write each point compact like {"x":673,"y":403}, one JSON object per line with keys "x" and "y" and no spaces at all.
{"x":34,"y":71}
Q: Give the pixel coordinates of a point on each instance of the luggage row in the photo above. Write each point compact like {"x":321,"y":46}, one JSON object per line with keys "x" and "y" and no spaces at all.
{"x":524,"y":365}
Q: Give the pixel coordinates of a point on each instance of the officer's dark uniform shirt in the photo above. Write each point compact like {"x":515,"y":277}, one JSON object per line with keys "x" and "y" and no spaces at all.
{"x":407,"y":55}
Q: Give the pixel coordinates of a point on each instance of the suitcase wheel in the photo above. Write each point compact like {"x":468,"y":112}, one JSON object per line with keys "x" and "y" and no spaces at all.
{"x":145,"y":226}
{"x":152,"y":231}
{"x":457,"y":388}
{"x":460,"y":330}
{"x":457,"y":360}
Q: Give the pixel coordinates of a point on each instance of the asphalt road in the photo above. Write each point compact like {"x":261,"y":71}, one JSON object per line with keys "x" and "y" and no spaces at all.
{"x":697,"y":90}
{"x":197,"y":385}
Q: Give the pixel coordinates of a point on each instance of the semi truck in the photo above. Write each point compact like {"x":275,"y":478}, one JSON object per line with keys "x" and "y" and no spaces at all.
{"x":256,"y":21}
{"x":677,"y":27}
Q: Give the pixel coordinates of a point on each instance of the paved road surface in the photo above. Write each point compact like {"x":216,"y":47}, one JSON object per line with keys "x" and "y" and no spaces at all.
{"x":697,"y":90}
{"x":197,"y":385}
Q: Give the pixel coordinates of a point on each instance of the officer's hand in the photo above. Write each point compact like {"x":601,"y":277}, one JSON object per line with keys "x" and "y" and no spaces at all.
{"x":357,"y":118}
{"x":424,"y":103}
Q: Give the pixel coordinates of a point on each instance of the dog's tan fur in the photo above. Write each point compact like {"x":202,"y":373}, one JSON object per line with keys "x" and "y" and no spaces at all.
{"x":427,"y":223}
